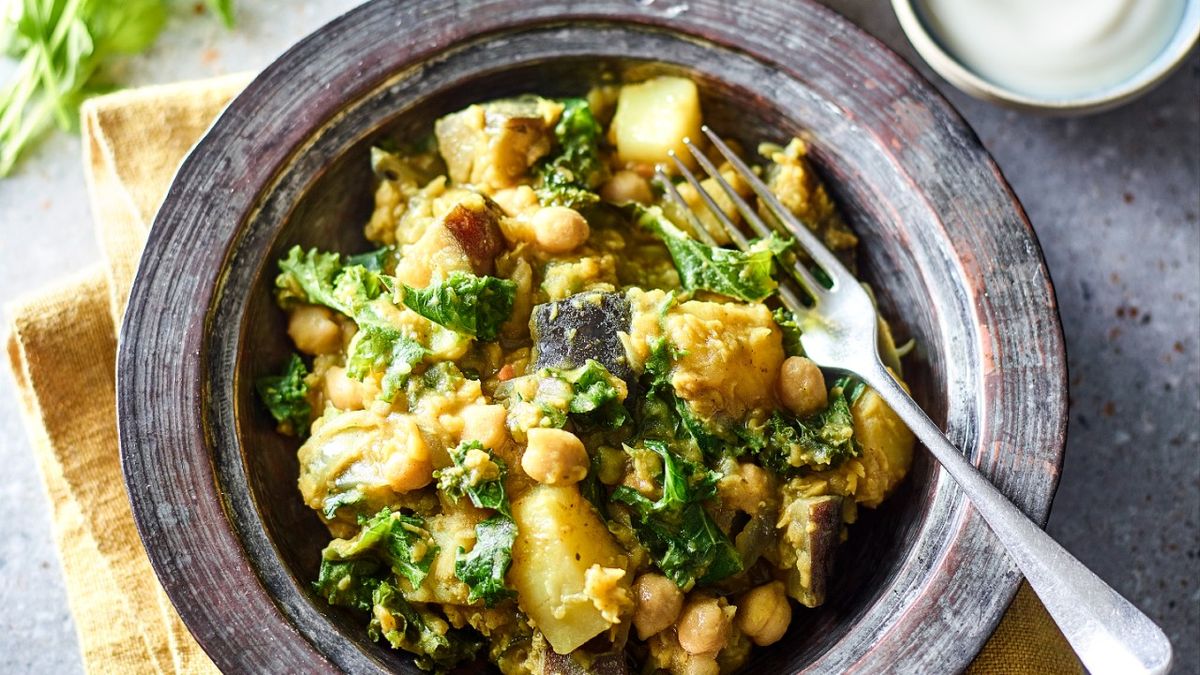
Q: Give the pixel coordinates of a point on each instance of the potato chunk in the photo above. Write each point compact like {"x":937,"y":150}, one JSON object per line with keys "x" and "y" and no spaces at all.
{"x":653,"y":118}
{"x":731,"y":357}
{"x":887,"y":448}
{"x":559,"y":538}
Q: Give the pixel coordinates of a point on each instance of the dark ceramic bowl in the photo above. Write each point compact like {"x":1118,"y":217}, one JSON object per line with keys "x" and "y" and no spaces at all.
{"x":921,"y":582}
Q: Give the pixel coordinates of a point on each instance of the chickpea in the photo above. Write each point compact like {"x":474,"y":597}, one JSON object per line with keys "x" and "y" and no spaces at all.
{"x":516,"y":200}
{"x":802,"y":387}
{"x":626,"y":186}
{"x":313,"y":330}
{"x":486,"y":424}
{"x":343,"y":392}
{"x":746,"y":489}
{"x":659,"y":602}
{"x":764,"y":613}
{"x":703,"y":627}
{"x":408,"y":466}
{"x":700,"y":664}
{"x":555,"y":457}
{"x":559,"y":229}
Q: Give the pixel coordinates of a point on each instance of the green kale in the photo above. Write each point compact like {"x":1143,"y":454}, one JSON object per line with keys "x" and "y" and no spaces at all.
{"x":485,"y":491}
{"x":398,"y":540}
{"x":333,"y":502}
{"x":387,"y":350}
{"x":416,"y":629}
{"x":596,"y":396}
{"x":571,"y":177}
{"x":790,"y":326}
{"x":737,"y":274}
{"x":286,"y":396}
{"x":483,"y":569}
{"x":376,"y":261}
{"x":681,"y":537}
{"x":789,"y":446}
{"x":349,"y":583}
{"x":475,"y":306}
{"x":321,"y":279}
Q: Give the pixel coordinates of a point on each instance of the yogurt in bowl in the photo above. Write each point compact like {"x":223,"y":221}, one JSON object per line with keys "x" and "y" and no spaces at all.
{"x":1060,"y":55}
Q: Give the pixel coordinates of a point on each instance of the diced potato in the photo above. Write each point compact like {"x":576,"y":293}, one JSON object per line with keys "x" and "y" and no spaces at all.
{"x":887,"y":447}
{"x":559,"y":537}
{"x":653,"y":118}
{"x":731,"y":357}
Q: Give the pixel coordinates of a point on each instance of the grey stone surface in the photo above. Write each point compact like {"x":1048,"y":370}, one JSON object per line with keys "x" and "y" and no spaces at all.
{"x":1115,"y":200}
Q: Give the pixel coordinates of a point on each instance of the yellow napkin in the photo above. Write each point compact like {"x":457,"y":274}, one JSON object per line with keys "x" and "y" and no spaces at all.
{"x":62,"y":349}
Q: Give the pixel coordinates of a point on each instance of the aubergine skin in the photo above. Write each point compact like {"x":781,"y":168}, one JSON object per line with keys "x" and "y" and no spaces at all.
{"x":567,"y":333}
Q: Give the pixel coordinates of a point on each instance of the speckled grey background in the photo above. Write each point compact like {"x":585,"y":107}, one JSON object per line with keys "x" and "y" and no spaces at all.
{"x":1115,"y":199}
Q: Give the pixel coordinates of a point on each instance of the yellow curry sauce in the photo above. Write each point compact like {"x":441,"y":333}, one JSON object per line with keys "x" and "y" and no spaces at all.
{"x":546,"y":425}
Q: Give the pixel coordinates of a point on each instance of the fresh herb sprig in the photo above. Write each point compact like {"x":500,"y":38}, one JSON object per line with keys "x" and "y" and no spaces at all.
{"x":61,"y":47}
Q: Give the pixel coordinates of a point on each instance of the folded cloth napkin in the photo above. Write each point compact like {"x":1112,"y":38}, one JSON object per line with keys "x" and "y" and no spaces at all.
{"x":62,"y":349}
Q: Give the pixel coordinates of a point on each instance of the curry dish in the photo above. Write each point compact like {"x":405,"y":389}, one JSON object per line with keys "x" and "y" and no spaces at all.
{"x":547,"y":425}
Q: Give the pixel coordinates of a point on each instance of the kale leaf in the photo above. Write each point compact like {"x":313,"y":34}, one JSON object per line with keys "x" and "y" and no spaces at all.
{"x":571,"y":177}
{"x":387,"y":350}
{"x":349,"y":583}
{"x":596,"y":396}
{"x":399,"y":540}
{"x":479,"y":474}
{"x":790,"y":326}
{"x":682,"y":539}
{"x":824,"y":440}
{"x":476,"y":306}
{"x":374,"y":261}
{"x":737,"y":274}
{"x":483,"y":569}
{"x":286,"y":396}
{"x":415,"y":629}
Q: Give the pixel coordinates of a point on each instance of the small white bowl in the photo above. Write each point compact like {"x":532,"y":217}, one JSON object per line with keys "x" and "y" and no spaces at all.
{"x":950,"y":67}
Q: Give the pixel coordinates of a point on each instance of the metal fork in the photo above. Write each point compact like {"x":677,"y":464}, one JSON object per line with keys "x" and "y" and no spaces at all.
{"x":1108,"y":633}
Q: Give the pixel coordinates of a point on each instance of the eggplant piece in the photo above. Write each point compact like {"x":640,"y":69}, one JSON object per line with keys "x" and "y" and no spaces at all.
{"x":812,"y":529}
{"x":608,"y":663}
{"x":494,"y":144}
{"x":569,"y":332}
{"x":475,"y":225}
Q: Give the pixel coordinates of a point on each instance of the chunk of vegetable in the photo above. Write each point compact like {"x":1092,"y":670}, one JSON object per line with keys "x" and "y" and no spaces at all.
{"x":811,"y":529}
{"x":654,"y":117}
{"x":887,"y":448}
{"x":494,"y":144}
{"x":559,"y":537}
{"x":466,"y":239}
{"x":569,"y":333}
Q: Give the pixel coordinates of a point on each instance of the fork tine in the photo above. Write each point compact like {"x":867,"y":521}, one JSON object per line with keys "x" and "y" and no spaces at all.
{"x":792,"y":267}
{"x":730,"y":229}
{"x":673,"y":194}
{"x":808,"y":241}
{"x":787,"y":295}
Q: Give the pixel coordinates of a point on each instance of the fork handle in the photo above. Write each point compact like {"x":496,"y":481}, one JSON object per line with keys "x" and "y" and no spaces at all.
{"x":1107,"y":632}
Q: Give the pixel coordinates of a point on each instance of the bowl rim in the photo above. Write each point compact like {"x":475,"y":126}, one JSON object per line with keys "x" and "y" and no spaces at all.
{"x":159,"y":453}
{"x":946,"y":64}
